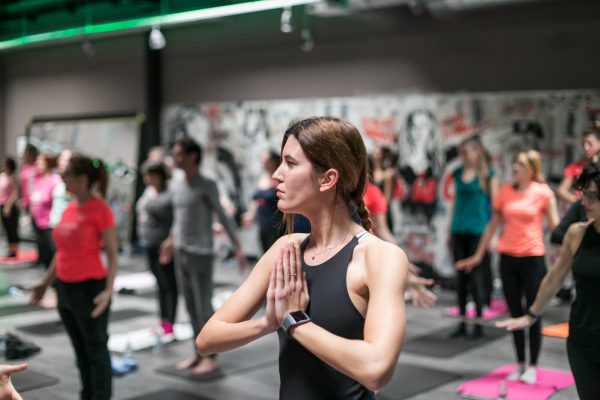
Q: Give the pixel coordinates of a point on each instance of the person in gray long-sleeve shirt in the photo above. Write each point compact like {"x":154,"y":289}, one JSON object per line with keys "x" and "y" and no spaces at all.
{"x":195,"y":200}
{"x":155,"y":219}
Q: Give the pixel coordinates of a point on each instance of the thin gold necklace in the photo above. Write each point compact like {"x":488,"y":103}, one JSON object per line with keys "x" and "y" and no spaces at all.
{"x":331,"y":247}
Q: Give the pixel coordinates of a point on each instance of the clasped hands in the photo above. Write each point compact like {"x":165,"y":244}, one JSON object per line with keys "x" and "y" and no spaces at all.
{"x":287,"y":290}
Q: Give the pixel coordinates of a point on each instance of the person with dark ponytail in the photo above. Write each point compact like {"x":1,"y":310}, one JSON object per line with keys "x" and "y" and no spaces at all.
{"x":334,"y":296}
{"x":83,"y":284}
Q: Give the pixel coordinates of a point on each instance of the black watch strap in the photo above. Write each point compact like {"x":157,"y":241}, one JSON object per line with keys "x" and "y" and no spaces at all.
{"x":293,"y":319}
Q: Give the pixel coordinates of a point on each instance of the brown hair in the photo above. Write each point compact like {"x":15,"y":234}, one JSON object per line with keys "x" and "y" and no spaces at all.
{"x":94,"y":169}
{"x":334,"y":143}
{"x":483,"y":161}
{"x":532,"y":161}
{"x":50,"y":160}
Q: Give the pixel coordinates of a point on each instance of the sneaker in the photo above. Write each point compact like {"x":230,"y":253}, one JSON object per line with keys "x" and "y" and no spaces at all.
{"x":477,"y":332}
{"x":529,"y":376}
{"x":461,"y":330}
{"x":515,"y":375}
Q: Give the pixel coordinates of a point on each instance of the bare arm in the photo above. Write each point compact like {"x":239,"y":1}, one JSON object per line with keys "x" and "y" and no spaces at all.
{"x":564,"y":191}
{"x":372,"y":360}
{"x":231,"y":326}
{"x":102,"y":300}
{"x":552,"y":214}
{"x":37,"y":291}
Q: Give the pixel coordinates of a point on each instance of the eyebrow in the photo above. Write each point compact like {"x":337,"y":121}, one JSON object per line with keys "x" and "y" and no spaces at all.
{"x":287,"y":157}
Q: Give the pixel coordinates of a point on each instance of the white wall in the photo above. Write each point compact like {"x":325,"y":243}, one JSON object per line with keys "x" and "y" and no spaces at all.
{"x":63,"y":81}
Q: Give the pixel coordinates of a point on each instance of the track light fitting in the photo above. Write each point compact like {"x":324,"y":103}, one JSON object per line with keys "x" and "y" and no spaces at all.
{"x":286,"y":20}
{"x":156,"y":39}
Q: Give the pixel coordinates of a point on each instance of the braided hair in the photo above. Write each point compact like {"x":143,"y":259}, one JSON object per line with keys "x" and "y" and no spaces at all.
{"x":330,"y":142}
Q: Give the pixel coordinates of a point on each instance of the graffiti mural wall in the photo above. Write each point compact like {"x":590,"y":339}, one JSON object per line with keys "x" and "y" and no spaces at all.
{"x":421,"y":130}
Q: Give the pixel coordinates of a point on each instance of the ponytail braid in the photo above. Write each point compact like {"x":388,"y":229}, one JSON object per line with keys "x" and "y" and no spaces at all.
{"x":363,"y":213}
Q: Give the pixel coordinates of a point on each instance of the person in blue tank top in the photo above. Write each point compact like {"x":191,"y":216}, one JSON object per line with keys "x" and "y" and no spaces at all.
{"x":579,"y":253}
{"x":335,"y":296}
{"x":475,"y":185}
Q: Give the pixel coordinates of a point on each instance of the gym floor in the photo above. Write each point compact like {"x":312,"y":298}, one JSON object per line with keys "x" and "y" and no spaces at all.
{"x":251,"y":372}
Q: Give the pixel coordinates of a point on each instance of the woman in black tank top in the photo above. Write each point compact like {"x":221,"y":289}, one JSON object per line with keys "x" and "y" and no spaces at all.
{"x":580,"y":253}
{"x":336,"y":296}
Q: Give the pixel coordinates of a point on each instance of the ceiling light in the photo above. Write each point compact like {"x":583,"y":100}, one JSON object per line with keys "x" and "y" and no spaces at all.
{"x":286,"y":20}
{"x":308,"y":43}
{"x":88,"y":48}
{"x":156,"y":39}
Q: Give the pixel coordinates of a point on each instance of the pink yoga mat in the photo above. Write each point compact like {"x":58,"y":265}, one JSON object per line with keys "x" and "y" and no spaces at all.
{"x":22,"y":257}
{"x":497,"y":309}
{"x":549,"y":381}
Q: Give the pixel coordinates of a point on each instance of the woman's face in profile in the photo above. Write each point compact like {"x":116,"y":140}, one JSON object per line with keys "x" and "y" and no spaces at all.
{"x":296,"y":184}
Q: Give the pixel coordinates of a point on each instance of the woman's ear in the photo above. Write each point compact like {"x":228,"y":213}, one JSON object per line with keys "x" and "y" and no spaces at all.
{"x":328,"y":179}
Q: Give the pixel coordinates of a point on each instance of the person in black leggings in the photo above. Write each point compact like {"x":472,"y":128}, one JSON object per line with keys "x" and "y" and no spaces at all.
{"x":521,"y":207}
{"x":475,"y":185}
{"x":580,"y":253}
{"x":155,"y":217}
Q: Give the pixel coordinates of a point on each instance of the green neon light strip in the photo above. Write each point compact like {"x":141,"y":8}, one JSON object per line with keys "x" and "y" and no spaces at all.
{"x":162,"y":20}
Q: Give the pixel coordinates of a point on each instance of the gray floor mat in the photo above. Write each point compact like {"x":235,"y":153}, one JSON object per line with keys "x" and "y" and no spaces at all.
{"x":55,"y":327}
{"x":30,"y":380}
{"x":263,"y":352}
{"x":438,"y":343}
{"x":409,"y":380}
{"x":169,"y":394}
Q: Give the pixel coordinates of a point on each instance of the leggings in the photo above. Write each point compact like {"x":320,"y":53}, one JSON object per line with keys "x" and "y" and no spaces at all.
{"x":11,"y":224}
{"x":89,"y":336}
{"x":167,"y":284}
{"x":522,"y":276}
{"x":463,"y":246}
{"x":585,"y":366}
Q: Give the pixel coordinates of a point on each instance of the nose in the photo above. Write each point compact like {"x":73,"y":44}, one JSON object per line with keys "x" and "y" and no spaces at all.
{"x":277,"y":174}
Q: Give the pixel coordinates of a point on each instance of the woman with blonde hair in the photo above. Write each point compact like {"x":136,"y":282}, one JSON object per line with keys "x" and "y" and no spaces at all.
{"x":520,"y":208}
{"x":343,"y":343}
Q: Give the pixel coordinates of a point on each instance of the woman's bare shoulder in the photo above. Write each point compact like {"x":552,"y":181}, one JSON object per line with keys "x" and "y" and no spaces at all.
{"x":379,"y":253}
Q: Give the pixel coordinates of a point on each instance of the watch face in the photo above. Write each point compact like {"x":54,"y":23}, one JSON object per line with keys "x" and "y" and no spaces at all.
{"x":299,"y":316}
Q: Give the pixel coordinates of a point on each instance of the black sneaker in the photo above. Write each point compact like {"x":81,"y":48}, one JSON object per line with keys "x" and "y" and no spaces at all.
{"x":477,"y":332}
{"x":16,"y":348}
{"x":461,"y":330}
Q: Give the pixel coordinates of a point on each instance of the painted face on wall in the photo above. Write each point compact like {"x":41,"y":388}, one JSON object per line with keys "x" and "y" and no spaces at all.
{"x":295,"y":178}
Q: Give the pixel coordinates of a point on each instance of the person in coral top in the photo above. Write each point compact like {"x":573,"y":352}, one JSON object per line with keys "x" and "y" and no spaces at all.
{"x":83,"y":284}
{"x":520,"y":208}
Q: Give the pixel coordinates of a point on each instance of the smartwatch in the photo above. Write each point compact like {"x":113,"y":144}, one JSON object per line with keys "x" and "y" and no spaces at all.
{"x":293,"y":319}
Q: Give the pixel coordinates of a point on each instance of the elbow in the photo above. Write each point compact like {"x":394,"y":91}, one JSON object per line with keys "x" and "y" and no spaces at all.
{"x":376,"y":376}
{"x":204,"y":347}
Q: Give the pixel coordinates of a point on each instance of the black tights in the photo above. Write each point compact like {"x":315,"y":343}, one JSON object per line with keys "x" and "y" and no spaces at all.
{"x":463,"y":246}
{"x":522,"y":276}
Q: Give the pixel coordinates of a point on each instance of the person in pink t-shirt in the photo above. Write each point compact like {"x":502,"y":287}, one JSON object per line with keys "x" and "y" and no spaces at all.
{"x":520,"y":208}
{"x":41,"y":204}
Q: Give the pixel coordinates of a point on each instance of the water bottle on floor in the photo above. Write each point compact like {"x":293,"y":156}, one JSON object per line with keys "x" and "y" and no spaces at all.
{"x":502,"y":391}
